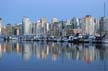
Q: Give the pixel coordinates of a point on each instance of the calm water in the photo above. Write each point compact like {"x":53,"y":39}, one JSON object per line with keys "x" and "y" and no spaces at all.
{"x":42,"y":56}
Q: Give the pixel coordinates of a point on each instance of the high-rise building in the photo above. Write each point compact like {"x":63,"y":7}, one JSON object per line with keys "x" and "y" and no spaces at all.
{"x":9,"y":29}
{"x":44,"y":23}
{"x":103,"y":27}
{"x":4,"y":31}
{"x":20,"y":29}
{"x":17,"y":29}
{"x":41,"y":27}
{"x":0,"y":25}
{"x":88,"y":25}
{"x":47,"y":29}
{"x":26,"y":26}
{"x":38,"y":28}
{"x":75,"y":23}
{"x":76,"y":27}
{"x":54,"y":27}
{"x":72,"y":27}
{"x":54,"y":20}
{"x":97,"y":27}
{"x":61,"y":26}
{"x":34,"y":28}
{"x":68,"y":28}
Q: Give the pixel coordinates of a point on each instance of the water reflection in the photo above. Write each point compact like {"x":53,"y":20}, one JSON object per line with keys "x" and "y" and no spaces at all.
{"x":43,"y":51}
{"x":0,"y":52}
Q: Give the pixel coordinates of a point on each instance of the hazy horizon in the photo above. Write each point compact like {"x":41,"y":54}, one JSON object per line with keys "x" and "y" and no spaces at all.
{"x":12,"y":11}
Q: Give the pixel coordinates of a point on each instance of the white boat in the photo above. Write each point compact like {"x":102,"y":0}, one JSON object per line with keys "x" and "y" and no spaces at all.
{"x":105,"y":41}
{"x":70,"y":38}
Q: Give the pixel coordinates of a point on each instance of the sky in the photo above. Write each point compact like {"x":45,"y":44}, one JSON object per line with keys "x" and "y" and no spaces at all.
{"x":12,"y":11}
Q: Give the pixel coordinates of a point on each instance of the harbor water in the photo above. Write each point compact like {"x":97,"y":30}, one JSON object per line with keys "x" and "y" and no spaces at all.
{"x":52,"y":56}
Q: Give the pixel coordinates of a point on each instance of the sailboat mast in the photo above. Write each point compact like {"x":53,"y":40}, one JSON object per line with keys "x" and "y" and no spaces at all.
{"x":104,"y":9}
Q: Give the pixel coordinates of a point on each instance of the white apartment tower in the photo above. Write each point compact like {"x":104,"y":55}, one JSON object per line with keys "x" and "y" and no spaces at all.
{"x":26,"y":26}
{"x":88,"y":25}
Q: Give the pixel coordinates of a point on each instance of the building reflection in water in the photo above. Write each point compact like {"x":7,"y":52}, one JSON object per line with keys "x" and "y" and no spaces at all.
{"x":43,"y":50}
{"x":0,"y":52}
{"x":17,"y":47}
{"x":26,"y":51}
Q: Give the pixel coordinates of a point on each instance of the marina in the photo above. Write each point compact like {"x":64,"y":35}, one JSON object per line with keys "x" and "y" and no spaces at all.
{"x":70,"y":39}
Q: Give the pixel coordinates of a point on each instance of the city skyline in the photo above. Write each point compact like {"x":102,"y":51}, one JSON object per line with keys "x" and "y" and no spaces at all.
{"x":87,"y":25}
{"x":13,"y":11}
{"x":49,"y":20}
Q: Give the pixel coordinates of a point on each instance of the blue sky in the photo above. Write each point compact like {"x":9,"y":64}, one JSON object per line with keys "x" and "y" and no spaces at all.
{"x":12,"y":11}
